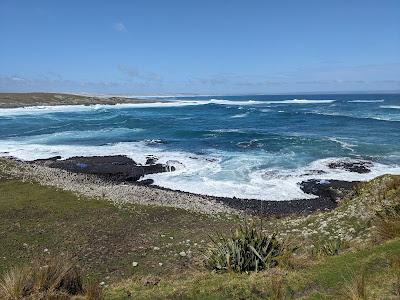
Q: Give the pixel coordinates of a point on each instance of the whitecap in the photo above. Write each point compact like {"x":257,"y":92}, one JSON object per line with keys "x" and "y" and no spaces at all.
{"x":302,"y":101}
{"x":390,"y":106}
{"x":378,"y":118}
{"x":240,"y":115}
{"x":234,"y":102}
{"x":366,"y":101}
{"x":228,"y":130}
{"x":343,"y":144}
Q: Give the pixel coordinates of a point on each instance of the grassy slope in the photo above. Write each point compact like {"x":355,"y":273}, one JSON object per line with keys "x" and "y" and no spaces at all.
{"x":324,"y":280}
{"x":105,"y":240}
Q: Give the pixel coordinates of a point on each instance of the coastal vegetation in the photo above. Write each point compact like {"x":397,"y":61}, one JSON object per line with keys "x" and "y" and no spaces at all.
{"x":247,"y":249}
{"x":57,"y":243}
{"x":12,"y":100}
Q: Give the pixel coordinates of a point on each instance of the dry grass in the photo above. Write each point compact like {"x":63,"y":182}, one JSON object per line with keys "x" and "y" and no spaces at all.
{"x":16,"y":284}
{"x":396,"y":268}
{"x":278,"y":291}
{"x":356,"y":289}
{"x":93,"y":291}
{"x":57,"y":279}
{"x":387,"y":223}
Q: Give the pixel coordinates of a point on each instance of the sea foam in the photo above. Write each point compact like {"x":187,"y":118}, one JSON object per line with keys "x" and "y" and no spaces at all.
{"x":219,"y":173}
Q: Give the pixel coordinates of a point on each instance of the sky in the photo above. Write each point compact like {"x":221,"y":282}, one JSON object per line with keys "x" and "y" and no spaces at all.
{"x":199,"y":47}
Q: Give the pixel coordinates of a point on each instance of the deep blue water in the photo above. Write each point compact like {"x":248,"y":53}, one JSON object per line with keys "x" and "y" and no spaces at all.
{"x":253,"y":146}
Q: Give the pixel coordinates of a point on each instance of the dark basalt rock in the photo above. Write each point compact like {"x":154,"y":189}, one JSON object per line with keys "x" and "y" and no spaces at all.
{"x":334,"y":190}
{"x":313,"y":172}
{"x":151,"y":160}
{"x":145,"y":182}
{"x":116,"y":167}
{"x":352,"y":166}
{"x":47,"y":161}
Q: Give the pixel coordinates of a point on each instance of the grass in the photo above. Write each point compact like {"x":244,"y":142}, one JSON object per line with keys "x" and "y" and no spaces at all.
{"x":29,"y":99}
{"x":387,"y":222}
{"x":54,"y":279}
{"x":325,"y":280}
{"x":327,"y":248}
{"x":37,"y":222}
{"x":356,"y":288}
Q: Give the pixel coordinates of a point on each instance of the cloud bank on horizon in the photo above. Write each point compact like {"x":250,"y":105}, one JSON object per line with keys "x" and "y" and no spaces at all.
{"x":200,"y":47}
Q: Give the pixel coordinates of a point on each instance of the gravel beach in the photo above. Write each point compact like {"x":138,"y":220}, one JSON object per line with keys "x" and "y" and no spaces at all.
{"x":134,"y":192}
{"x":119,"y":193}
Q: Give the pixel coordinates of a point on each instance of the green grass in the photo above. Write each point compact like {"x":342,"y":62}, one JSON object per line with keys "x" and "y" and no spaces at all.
{"x":103,"y":239}
{"x":325,"y":280}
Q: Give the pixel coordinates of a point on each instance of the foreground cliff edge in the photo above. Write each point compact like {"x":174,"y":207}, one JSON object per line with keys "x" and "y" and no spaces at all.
{"x":146,"y":251}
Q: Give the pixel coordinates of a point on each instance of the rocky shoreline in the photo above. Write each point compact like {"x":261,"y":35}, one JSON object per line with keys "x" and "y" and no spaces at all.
{"x":119,"y":178}
{"x":117,"y":168}
{"x":329,"y":197}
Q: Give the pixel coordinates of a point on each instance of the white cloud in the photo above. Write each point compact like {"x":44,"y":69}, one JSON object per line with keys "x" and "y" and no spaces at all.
{"x":134,"y":73}
{"x":17,"y":79}
{"x":120,"y":27}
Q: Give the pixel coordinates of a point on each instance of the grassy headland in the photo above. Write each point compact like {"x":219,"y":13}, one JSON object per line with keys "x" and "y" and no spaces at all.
{"x":349,"y":252}
{"x":11,"y":100}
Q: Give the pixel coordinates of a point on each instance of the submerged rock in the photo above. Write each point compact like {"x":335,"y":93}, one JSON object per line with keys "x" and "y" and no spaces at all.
{"x":154,"y":142}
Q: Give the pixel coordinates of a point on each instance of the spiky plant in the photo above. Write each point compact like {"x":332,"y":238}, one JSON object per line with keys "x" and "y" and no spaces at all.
{"x":247,"y":249}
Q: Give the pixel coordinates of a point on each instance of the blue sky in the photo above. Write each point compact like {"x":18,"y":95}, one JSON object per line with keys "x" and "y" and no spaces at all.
{"x":208,"y":46}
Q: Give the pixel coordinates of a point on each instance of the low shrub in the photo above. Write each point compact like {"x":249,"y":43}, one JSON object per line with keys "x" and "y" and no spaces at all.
{"x":247,"y":249}
{"x":327,"y":248}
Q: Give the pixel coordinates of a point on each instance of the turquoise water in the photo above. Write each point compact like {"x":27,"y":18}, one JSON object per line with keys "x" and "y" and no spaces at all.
{"x":254,"y":146}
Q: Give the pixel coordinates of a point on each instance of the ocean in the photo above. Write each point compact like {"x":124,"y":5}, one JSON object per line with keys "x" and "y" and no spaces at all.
{"x":254,"y":146}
